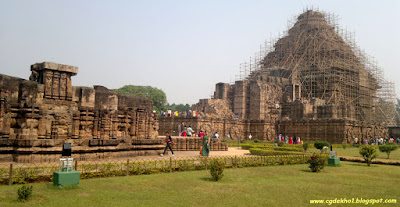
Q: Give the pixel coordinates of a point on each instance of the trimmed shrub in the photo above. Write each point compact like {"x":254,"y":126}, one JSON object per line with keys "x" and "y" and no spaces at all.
{"x":266,"y":152}
{"x":368,"y":152}
{"x":305,"y":146}
{"x":321,"y":144}
{"x":24,"y":193}
{"x":317,"y":163}
{"x":388,"y":148}
{"x":280,"y":144}
{"x":344,"y":145}
{"x":256,"y":141}
{"x":217,"y":169}
{"x":288,"y":149}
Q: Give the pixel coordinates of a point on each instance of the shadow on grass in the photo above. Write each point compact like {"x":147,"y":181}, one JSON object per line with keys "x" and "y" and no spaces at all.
{"x":208,"y":179}
{"x":51,"y":186}
{"x":360,"y":164}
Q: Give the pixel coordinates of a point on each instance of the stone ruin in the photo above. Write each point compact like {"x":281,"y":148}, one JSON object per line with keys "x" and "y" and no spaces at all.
{"x":313,"y":83}
{"x":40,"y":114}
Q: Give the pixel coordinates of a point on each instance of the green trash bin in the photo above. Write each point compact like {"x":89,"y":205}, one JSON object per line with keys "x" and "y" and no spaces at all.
{"x":66,"y":176}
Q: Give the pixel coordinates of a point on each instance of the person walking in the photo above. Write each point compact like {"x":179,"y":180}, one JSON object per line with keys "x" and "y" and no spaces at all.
{"x":206,"y":145}
{"x":250,"y":137}
{"x":169,"y":142}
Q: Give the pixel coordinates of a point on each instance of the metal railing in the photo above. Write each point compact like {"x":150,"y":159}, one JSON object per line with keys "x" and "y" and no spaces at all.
{"x":21,"y":173}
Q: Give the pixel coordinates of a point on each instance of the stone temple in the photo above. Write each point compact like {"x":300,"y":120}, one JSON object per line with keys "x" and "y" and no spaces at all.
{"x":38,"y":115}
{"x":313,"y":83}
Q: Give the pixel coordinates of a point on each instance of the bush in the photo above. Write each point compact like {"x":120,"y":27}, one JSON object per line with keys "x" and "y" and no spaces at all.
{"x":217,"y":169}
{"x":256,"y":141}
{"x":321,"y":144}
{"x":317,"y":163}
{"x":24,"y":193}
{"x":368,"y":152}
{"x":305,"y":146}
{"x":388,"y":148}
{"x":280,"y":144}
{"x":344,"y":145}
{"x":246,"y":146}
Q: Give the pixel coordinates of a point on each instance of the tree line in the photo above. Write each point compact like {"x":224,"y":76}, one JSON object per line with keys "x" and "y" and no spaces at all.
{"x":158,"y":97}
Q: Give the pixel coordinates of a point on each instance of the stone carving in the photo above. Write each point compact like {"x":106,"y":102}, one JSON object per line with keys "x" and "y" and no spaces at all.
{"x":51,"y":109}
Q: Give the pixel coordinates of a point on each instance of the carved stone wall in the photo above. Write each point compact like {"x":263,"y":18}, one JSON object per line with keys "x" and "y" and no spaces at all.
{"x":39,"y":115}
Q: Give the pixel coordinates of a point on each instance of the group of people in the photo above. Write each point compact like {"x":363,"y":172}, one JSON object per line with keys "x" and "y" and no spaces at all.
{"x":289,"y":140}
{"x":188,"y":131}
{"x":184,"y":131}
{"x":377,"y":141}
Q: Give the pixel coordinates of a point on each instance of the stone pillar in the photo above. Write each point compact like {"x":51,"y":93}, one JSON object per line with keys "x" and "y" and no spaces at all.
{"x":56,"y":85}
{"x":48,"y":83}
{"x":69,"y":88}
{"x":63,"y":86}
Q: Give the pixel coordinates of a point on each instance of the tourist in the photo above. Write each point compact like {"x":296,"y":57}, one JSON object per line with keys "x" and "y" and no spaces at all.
{"x":290,"y":140}
{"x":294,"y":139}
{"x":189,"y":131}
{"x":184,"y":131}
{"x":298,"y":140}
{"x":286,"y":139}
{"x":201,"y":133}
{"x":206,"y":145}
{"x":180,"y":129}
{"x":228,"y":136}
{"x":216,"y":135}
{"x":169,"y":141}
{"x":250,"y":136}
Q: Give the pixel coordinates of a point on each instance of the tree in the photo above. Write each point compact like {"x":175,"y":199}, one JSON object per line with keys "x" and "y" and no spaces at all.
{"x":321,"y":144}
{"x":179,"y":107}
{"x":387,"y":148}
{"x":157,"y":95}
{"x":368,"y":152}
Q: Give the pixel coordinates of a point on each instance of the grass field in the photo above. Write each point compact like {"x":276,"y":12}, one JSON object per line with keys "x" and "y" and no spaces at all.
{"x":354,"y":152}
{"x":290,"y":185}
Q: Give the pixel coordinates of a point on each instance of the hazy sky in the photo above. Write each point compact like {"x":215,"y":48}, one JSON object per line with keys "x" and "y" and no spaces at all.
{"x":182,"y":47}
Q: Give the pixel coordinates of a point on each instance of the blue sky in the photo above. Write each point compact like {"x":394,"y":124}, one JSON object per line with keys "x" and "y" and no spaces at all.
{"x":182,"y":47}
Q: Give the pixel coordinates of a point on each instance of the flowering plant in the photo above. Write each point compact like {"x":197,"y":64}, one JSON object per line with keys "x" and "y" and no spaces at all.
{"x":368,"y":152}
{"x":217,"y":169}
{"x":317,"y":163}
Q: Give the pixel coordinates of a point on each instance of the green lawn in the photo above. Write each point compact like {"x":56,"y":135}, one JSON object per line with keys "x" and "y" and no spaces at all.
{"x":354,"y":152}
{"x":290,"y":185}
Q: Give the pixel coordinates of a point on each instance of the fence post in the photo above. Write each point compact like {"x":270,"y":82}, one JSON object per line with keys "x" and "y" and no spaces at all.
{"x":206,"y":163}
{"x":76,"y":165}
{"x":170,"y":164}
{"x":261,"y":163}
{"x":235,"y":161}
{"x":127,"y":167}
{"x":11,"y":172}
{"x":304,"y":159}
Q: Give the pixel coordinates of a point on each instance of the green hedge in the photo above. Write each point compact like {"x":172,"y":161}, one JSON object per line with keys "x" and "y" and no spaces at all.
{"x":249,"y":146}
{"x":289,"y":149}
{"x":266,"y":152}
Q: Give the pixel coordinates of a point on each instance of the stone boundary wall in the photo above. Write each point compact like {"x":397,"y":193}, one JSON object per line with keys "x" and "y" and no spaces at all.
{"x":334,"y":131}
